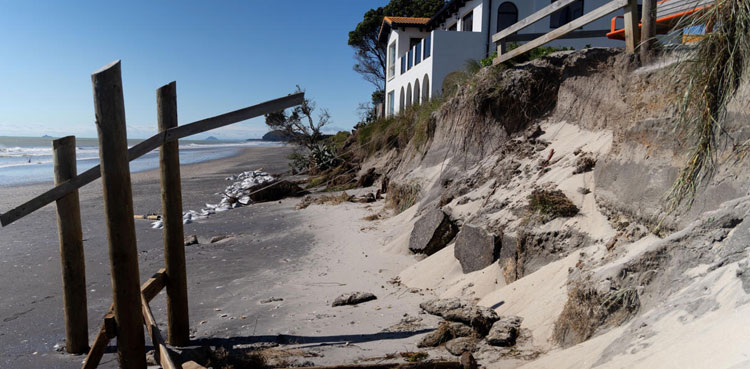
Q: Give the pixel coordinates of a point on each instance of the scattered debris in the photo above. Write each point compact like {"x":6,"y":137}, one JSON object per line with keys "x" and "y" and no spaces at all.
{"x":271,"y":299}
{"x":353,"y":298}
{"x":584,"y":163}
{"x":550,"y":204}
{"x":215,"y":239}
{"x":414,"y":357}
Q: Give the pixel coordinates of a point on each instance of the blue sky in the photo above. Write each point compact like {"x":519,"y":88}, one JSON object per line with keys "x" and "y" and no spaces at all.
{"x":224,"y":55}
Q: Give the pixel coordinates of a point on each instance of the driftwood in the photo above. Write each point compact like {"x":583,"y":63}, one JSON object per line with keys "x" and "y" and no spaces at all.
{"x":420,"y":365}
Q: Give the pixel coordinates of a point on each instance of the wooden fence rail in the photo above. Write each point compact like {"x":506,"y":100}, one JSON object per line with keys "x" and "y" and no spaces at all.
{"x":149,"y":145}
{"x":631,"y":27}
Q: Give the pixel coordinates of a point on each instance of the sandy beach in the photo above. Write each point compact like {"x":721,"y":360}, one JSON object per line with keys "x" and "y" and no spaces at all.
{"x":300,"y":259}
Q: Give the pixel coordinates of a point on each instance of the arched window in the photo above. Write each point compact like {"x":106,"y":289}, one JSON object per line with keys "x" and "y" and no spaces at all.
{"x":416,"y":92}
{"x":507,"y":15}
{"x":408,"y":95}
{"x":401,"y":100}
{"x":426,"y":88}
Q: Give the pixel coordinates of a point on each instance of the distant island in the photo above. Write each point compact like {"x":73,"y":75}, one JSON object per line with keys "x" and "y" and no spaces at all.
{"x":47,"y":136}
{"x":211,"y":138}
{"x":275,"y":136}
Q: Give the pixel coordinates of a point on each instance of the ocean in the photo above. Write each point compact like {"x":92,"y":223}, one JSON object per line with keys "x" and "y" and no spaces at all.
{"x":25,"y":160}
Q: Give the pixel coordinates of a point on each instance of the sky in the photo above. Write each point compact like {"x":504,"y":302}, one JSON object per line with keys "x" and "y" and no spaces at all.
{"x":224,"y":55}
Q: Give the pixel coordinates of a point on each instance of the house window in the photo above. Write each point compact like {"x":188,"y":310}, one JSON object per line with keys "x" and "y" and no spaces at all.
{"x":454,"y":27}
{"x":391,"y":102}
{"x":403,"y":64}
{"x":392,"y":60}
{"x":566,"y":14}
{"x":418,"y":53}
{"x":507,"y":15}
{"x":467,"y":22}
{"x":427,"y":46}
{"x":410,"y":62}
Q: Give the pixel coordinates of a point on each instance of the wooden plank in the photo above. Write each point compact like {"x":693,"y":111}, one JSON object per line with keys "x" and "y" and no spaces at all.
{"x":162,"y":352}
{"x":178,"y":332}
{"x":149,"y":145}
{"x":533,"y":18}
{"x":109,"y":107}
{"x":106,"y":333}
{"x":70,"y":236}
{"x":192,"y":365}
{"x":632,"y":30}
{"x":573,"y":35}
{"x":154,"y":285}
{"x":595,"y":14}
{"x":419,"y":365}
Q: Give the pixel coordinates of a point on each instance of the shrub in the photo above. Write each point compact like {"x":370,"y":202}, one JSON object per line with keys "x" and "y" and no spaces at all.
{"x":551,"y":204}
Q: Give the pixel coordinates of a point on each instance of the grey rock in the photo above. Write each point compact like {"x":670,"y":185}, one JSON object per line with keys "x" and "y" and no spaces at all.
{"x":445,"y":332}
{"x":271,"y":299}
{"x":432,"y":232}
{"x":476,"y":248}
{"x":353,"y":298}
{"x":467,"y":361}
{"x":460,"y":345}
{"x":480,"y":318}
{"x":191,"y":240}
{"x":505,"y":331}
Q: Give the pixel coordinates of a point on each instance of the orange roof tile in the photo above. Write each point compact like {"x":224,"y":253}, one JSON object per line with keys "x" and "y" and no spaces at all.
{"x":406,"y":20}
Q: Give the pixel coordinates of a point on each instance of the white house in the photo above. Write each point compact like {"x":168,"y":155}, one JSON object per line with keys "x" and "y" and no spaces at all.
{"x":421,"y":52}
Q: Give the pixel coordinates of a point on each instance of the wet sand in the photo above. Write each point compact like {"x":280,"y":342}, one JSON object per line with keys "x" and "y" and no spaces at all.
{"x":302,"y":258}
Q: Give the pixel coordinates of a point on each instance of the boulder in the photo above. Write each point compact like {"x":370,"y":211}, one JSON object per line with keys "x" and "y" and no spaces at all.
{"x":432,"y":232}
{"x":191,"y":240}
{"x":367,"y":179}
{"x":460,"y":345}
{"x":476,"y":248}
{"x":445,"y":332}
{"x":505,"y":331}
{"x":467,"y":361}
{"x":353,"y":298}
{"x":480,"y":318}
{"x":277,"y":191}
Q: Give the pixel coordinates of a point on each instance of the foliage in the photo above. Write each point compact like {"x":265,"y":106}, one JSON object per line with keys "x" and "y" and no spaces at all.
{"x":402,"y":197}
{"x":368,"y":51}
{"x":714,"y":72}
{"x":298,"y":162}
{"x":338,"y":140}
{"x":299,"y":125}
{"x":323,"y":157}
{"x":551,"y":204}
{"x":413,"y":125}
{"x":414,"y":357}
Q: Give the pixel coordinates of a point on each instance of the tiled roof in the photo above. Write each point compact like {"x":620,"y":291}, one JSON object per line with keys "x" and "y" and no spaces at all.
{"x":406,"y":21}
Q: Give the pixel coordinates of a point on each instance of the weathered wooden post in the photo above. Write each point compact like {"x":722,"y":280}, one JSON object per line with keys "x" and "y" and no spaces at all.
{"x":648,"y":30}
{"x":171,"y":203}
{"x":71,"y":250}
{"x":632,"y":32}
{"x":118,"y":206}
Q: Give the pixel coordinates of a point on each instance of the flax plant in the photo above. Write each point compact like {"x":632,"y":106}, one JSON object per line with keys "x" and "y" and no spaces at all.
{"x":714,"y":71}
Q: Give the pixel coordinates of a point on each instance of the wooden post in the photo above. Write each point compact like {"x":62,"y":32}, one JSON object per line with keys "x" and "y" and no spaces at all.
{"x":118,"y":206}
{"x":632,"y":32}
{"x":171,"y":204}
{"x":71,"y":250}
{"x":648,"y":30}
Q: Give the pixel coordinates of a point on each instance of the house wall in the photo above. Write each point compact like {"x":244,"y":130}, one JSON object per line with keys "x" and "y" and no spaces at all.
{"x":528,"y":7}
{"x":451,"y":51}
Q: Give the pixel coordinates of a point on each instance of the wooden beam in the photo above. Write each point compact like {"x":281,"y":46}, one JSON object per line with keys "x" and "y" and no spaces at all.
{"x":108,"y":330}
{"x":533,"y":18}
{"x":154,"y":285}
{"x":162,"y":352}
{"x":595,"y":14}
{"x":573,"y":35}
{"x":109,"y":107}
{"x":178,"y":331}
{"x":149,"y":145}
{"x":648,"y":30}
{"x":70,"y":236}
{"x":632,"y":30}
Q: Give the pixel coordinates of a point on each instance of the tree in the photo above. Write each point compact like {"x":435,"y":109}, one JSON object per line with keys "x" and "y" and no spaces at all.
{"x":369,"y":53}
{"x":299,"y":126}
